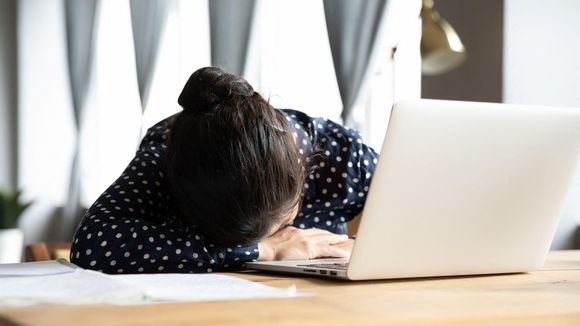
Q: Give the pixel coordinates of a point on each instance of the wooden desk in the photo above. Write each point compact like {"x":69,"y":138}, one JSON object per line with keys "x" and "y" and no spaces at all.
{"x":547,"y":297}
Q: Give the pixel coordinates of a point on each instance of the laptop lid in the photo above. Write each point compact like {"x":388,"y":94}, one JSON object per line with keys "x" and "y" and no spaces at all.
{"x":466,"y":188}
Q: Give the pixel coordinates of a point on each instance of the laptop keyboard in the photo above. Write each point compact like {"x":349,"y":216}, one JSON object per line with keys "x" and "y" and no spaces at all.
{"x":342,"y":266}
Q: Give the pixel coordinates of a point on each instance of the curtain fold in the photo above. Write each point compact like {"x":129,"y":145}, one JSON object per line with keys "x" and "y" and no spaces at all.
{"x":8,"y":96}
{"x":230,"y":31}
{"x":352,"y":27}
{"x":148,"y":20}
{"x":80,"y":21}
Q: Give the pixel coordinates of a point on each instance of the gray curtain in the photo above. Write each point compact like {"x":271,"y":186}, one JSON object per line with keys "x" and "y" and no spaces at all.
{"x":352,"y":29}
{"x":148,"y":19}
{"x":8,"y":95}
{"x":80,"y":21}
{"x":230,"y":28}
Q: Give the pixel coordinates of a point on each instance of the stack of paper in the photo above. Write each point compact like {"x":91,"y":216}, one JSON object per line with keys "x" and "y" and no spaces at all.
{"x":59,"y":282}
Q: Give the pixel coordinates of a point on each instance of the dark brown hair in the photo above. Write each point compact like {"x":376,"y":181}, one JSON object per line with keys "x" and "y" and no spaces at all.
{"x":232,"y":160}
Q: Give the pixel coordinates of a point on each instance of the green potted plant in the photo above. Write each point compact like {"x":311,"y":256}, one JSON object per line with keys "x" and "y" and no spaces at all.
{"x":11,"y":237}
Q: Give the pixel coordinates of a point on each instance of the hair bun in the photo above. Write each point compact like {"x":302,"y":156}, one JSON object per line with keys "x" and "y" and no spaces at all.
{"x":209,"y":86}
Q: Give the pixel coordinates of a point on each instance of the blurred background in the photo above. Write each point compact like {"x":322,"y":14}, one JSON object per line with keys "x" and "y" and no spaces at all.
{"x":81,"y":80}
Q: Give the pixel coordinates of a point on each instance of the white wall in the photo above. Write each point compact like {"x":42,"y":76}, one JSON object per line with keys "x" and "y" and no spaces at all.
{"x":541,"y":66}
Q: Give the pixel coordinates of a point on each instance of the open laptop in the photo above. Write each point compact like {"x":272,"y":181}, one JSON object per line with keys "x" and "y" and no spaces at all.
{"x":460,"y":188}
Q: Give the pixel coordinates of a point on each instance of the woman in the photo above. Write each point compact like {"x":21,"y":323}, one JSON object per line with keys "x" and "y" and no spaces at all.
{"x":228,"y":180}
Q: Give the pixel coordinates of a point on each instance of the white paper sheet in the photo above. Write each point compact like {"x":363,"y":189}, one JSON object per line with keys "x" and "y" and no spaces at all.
{"x":78,"y":287}
{"x":201,"y":287}
{"x":48,"y":267}
{"x":55,"y":282}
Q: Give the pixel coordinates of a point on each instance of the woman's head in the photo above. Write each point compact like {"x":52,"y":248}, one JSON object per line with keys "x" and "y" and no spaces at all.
{"x":232,"y":161}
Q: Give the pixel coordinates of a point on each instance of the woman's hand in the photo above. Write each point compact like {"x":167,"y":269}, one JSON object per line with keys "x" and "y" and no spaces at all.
{"x":347,"y":245}
{"x":291,"y":243}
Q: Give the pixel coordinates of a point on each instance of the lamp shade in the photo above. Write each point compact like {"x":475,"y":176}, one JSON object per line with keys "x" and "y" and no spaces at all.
{"x":441,"y":47}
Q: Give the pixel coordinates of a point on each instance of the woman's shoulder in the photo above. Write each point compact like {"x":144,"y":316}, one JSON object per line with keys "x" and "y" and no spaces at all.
{"x":155,"y":138}
{"x":302,"y":118}
{"x":322,"y":129}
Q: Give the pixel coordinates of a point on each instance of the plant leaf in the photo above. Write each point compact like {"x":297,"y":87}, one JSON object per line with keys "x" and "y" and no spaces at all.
{"x":10,"y":209}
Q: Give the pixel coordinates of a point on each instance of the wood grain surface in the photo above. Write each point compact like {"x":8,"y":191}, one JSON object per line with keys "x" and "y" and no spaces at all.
{"x":550,"y":296}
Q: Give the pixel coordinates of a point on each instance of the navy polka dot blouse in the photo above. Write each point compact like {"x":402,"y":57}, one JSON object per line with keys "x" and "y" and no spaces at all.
{"x":133,"y":226}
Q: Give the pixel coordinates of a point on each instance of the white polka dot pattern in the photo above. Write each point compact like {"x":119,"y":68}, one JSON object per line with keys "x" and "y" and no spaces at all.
{"x":133,"y":226}
{"x":335,"y":192}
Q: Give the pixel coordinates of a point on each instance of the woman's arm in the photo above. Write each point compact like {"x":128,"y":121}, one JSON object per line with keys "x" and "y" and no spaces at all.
{"x":133,"y":228}
{"x":353,"y":225}
{"x":123,"y":245}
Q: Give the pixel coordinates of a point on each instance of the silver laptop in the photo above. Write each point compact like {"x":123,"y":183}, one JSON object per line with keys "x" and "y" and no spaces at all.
{"x":460,"y":188}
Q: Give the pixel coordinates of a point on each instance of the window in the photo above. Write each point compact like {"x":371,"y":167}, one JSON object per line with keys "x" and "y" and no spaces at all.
{"x":295,"y":68}
{"x":290,"y":63}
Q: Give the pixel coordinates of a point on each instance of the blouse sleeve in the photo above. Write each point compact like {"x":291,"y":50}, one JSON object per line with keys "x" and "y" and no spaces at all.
{"x":133,"y":228}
